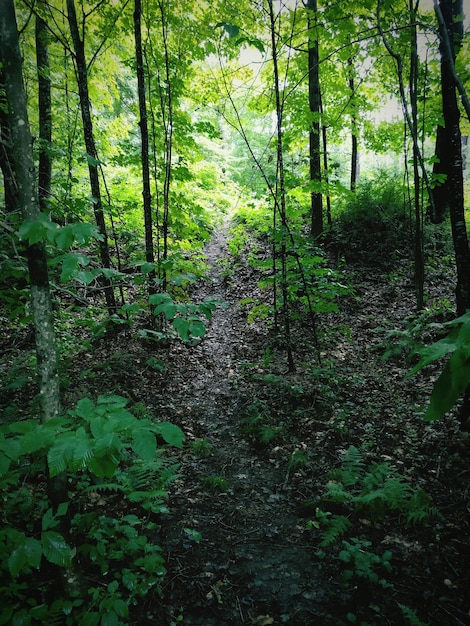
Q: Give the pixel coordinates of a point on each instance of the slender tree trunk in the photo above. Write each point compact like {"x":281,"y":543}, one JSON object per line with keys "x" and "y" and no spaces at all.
{"x":92,"y":155}
{"x":144,"y":133}
{"x":45,"y":113}
{"x":167,"y":113}
{"x":314,"y":98}
{"x":281,"y":203}
{"x":354,"y":146}
{"x":452,"y":12}
{"x":6,"y":156}
{"x":413,"y":89}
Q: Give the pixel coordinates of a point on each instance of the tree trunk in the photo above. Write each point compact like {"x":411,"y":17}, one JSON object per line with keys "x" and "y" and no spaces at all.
{"x":440,"y":171}
{"x":45,"y":113}
{"x":452,"y":12}
{"x":413,"y":90}
{"x":25,"y":183}
{"x":92,"y":155}
{"x":144,"y":133}
{"x":280,"y":200}
{"x":354,"y":145}
{"x":314,"y":99}
{"x":6,"y":156}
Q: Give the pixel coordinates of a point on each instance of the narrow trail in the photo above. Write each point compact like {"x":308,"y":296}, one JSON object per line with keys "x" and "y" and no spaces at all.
{"x":251,"y":561}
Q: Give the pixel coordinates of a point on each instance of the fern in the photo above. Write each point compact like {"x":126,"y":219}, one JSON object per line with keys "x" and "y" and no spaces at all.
{"x":411,"y":615}
{"x":336,"y":527}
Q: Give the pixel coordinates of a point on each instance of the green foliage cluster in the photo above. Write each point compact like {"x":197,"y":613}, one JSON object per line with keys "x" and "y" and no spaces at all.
{"x":256,"y":423}
{"x":455,"y":377}
{"x":109,"y":458}
{"x":373,"y":226}
{"x":377,"y":491}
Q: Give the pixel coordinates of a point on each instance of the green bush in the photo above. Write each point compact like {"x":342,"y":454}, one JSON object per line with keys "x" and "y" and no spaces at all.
{"x":51,"y":557}
{"x":373,"y":226}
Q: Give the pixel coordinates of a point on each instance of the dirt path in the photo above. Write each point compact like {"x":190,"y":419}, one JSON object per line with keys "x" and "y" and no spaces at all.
{"x":255,"y":563}
{"x":251,"y":562}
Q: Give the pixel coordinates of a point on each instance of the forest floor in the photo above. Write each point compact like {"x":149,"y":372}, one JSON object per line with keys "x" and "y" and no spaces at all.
{"x":261,"y":446}
{"x":260,"y":529}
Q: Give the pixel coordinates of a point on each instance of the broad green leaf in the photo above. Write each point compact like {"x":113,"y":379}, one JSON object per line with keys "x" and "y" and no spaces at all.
{"x":181,"y":325}
{"x":61,"y":453}
{"x":168,"y":309}
{"x":27,"y":554}
{"x":144,"y":444}
{"x":92,"y":161}
{"x":159,"y":298}
{"x":110,"y":619}
{"x":55,"y":549}
{"x":121,"y":608}
{"x":230,"y":29}
{"x":32,"y":231}
{"x":436,"y":351}
{"x":171,"y":433}
{"x":85,"y":409}
{"x":146,"y":268}
{"x":86,"y":277}
{"x":70,"y":263}
{"x":180,"y":279}
{"x":449,"y":387}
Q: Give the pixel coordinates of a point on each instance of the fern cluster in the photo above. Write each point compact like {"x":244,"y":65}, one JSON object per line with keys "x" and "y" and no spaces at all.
{"x":375,"y":490}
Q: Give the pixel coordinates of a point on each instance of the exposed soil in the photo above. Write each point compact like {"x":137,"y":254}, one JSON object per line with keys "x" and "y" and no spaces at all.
{"x":256,"y":562}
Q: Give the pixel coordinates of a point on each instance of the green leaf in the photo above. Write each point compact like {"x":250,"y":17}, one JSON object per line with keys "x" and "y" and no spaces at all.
{"x":110,"y":619}
{"x":55,"y":549}
{"x":171,"y":433}
{"x":32,"y":231}
{"x":61,"y":454}
{"x":26,"y":555}
{"x":86,"y":277}
{"x":450,"y":386}
{"x":144,"y":444}
{"x":70,"y":263}
{"x":181,"y":325}
{"x":230,"y":29}
{"x":146,"y":268}
{"x":92,"y":161}
{"x":437,"y":351}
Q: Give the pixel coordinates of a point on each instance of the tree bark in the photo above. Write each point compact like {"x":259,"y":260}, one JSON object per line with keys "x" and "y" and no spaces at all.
{"x":452,"y":11}
{"x":280,"y":200}
{"x":90,"y":145}
{"x":26,"y":192}
{"x":144,"y":133}
{"x":45,"y":113}
{"x":6,"y":156}
{"x":314,"y":99}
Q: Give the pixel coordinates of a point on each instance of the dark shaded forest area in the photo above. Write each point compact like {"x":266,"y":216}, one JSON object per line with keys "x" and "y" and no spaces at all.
{"x":235,"y":308}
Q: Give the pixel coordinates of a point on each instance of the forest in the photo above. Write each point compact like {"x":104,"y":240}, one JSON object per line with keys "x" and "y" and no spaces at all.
{"x":235,"y":312}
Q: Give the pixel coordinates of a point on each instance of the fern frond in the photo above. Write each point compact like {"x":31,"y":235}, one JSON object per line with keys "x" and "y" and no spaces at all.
{"x":336,"y":527}
{"x":411,"y":615}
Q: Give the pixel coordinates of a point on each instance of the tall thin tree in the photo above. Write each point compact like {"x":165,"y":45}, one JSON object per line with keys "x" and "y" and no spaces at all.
{"x":314,"y":98}
{"x":45,"y":113}
{"x":92,"y":153}
{"x":144,"y":134}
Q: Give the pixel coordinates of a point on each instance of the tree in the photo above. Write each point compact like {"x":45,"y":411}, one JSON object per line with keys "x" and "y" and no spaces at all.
{"x":92,"y":153}
{"x":144,"y":133}
{"x":23,"y":170}
{"x":45,"y":112}
{"x":314,"y":98}
{"x":452,"y":28}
